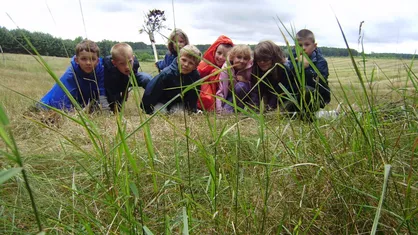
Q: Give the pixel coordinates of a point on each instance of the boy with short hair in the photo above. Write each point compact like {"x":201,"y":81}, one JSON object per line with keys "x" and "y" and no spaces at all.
{"x":83,"y":79}
{"x":172,"y":80}
{"x":117,"y":69}
{"x":316,"y":86}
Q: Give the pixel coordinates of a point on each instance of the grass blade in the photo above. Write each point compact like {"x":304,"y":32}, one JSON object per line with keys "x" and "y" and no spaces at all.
{"x":7,"y":174}
{"x":382,"y":198}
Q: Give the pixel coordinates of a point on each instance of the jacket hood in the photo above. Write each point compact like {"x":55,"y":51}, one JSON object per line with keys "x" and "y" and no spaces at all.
{"x":210,"y":53}
{"x":74,"y":64}
{"x":205,"y":68}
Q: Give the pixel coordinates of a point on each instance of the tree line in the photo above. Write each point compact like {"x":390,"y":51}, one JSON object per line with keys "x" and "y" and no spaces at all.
{"x":13,"y":41}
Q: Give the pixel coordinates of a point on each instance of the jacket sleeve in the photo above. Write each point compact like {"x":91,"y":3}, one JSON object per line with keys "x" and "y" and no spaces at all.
{"x":100,"y":78}
{"x":222,"y":91}
{"x":56,"y":97}
{"x":161,"y":64}
{"x":135,"y":65}
{"x":154,"y":89}
{"x":191,"y":97}
{"x":324,"y":89}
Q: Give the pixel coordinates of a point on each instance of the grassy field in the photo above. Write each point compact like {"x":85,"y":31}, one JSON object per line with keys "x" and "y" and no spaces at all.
{"x":206,"y":174}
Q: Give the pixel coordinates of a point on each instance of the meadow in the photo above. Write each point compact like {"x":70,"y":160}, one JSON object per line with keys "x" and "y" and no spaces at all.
{"x":247,"y":173}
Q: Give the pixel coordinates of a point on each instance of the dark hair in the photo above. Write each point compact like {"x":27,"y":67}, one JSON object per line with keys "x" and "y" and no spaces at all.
{"x":87,"y":45}
{"x":268,"y":50}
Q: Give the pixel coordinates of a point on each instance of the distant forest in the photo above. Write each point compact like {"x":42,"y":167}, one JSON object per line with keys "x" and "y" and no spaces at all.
{"x":13,"y":41}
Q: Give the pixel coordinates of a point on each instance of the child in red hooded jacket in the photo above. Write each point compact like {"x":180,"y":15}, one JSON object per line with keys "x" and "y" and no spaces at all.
{"x":212,"y":61}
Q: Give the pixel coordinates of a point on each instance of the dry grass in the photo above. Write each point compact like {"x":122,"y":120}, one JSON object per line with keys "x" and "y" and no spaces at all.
{"x":321,"y":178}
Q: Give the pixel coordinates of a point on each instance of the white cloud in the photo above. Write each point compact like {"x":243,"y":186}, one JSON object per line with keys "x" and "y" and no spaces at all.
{"x":387,"y":27}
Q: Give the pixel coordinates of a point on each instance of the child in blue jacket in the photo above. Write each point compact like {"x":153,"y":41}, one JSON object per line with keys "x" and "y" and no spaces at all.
{"x":172,"y":80}
{"x":316,"y":89}
{"x":83,"y":79}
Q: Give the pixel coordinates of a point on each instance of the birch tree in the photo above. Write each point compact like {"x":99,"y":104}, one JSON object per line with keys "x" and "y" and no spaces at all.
{"x":153,"y":22}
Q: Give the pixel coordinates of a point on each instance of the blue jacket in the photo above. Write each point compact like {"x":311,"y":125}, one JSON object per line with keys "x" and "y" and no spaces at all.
{"x":311,"y":77}
{"x":167,"y":84}
{"x":82,"y":86}
{"x":168,"y":59}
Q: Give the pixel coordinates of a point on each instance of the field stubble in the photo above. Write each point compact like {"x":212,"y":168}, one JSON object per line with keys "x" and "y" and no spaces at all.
{"x":246,"y":174}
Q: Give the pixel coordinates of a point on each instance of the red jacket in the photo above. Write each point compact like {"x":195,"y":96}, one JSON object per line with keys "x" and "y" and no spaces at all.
{"x":210,"y":85}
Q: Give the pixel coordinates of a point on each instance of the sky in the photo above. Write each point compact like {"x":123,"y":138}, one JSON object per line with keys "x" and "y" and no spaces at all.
{"x":388,"y":26}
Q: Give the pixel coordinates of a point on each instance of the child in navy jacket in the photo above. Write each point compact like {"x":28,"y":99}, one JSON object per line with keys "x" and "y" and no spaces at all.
{"x":118,"y":67}
{"x":317,"y":92}
{"x":172,"y":80}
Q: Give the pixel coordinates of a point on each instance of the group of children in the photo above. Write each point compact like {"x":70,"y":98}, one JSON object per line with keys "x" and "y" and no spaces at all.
{"x":227,"y":78}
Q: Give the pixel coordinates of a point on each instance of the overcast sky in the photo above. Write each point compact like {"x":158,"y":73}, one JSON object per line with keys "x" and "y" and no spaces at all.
{"x":388,"y":26}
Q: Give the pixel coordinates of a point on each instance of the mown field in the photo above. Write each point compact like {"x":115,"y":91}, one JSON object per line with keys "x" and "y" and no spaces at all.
{"x":248,"y":173}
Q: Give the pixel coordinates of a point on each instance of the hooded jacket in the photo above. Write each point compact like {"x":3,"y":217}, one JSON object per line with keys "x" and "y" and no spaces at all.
{"x":84,"y":87}
{"x":166,"y":85}
{"x":210,"y":86}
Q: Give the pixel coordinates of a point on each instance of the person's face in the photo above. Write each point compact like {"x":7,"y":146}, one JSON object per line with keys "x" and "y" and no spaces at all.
{"x":240,"y":61}
{"x":220,"y":55}
{"x":124,"y":65}
{"x":187,"y":64}
{"x":265,"y":64}
{"x":87,"y":61}
{"x":307,"y":45}
{"x":181,"y":42}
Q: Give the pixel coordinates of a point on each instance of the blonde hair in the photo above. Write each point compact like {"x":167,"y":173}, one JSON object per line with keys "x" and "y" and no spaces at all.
{"x":121,"y":50}
{"x":241,"y":49}
{"x":305,"y":34}
{"x":192,"y":52}
{"x":87,"y":45}
{"x":172,"y":40}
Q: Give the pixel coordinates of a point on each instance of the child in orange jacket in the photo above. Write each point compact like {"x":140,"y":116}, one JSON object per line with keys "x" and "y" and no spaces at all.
{"x":212,"y":61}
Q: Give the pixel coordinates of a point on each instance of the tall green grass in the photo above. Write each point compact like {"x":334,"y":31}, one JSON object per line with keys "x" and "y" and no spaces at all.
{"x":245,"y":173}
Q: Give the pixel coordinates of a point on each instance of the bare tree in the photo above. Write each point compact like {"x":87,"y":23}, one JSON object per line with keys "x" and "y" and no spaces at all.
{"x":153,"y":22}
